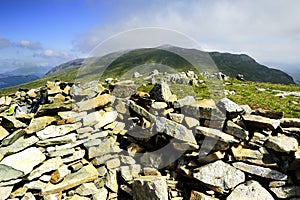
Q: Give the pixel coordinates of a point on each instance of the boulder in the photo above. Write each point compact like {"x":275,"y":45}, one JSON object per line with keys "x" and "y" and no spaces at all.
{"x":150,"y":188}
{"x":124,"y":89}
{"x":282,"y":143}
{"x":219,"y":176}
{"x":229,"y":107}
{"x":203,"y":109}
{"x":250,"y":190}
{"x":161,"y":92}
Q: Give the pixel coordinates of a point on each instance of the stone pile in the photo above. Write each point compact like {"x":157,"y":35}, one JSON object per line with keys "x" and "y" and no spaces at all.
{"x":93,"y":142}
{"x":185,"y":78}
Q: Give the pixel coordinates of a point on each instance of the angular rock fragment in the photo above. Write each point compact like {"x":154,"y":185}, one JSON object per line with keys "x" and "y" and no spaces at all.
{"x":101,"y":194}
{"x":10,"y":122}
{"x":256,"y":121}
{"x":290,"y":122}
{"x":260,"y":171}
{"x":184,"y":101}
{"x":219,"y":176}
{"x":141,"y":111}
{"x":150,"y":188}
{"x":203,"y":109}
{"x":259,"y":156}
{"x":54,"y":108}
{"x":19,"y":145}
{"x":56,"y":131}
{"x":124,"y":89}
{"x":111,"y":180}
{"x":86,"y":189}
{"x":216,"y":134}
{"x":106,"y":146}
{"x":174,"y":130}
{"x":282,"y":143}
{"x":268,"y":113}
{"x":250,"y":190}
{"x":99,"y":119}
{"x":9,"y":173}
{"x":47,"y":166}
{"x":25,"y":160}
{"x":161,"y":92}
{"x":85,"y":174}
{"x":229,"y":107}
{"x":69,"y":138}
{"x":285,"y":192}
{"x":72,"y":115}
{"x":99,"y":101}
{"x":235,"y":130}
{"x":176,"y":117}
{"x":13,"y":137}
{"x":3,"y":133}
{"x":39,"y":123}
{"x":191,"y":122}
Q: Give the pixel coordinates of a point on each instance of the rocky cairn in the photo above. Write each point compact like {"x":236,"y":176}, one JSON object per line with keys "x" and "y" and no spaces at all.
{"x":94,"y":142}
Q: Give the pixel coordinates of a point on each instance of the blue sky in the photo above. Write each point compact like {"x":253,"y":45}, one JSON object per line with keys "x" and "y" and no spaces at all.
{"x":49,"y":32}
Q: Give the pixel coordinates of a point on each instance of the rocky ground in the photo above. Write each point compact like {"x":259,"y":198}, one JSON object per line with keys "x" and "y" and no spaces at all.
{"x":113,"y":142}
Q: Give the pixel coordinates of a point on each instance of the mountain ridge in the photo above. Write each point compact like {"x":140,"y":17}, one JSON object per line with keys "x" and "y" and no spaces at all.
{"x":227,"y":63}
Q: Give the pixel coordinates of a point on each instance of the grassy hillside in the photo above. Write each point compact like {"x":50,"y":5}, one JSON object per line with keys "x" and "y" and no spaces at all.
{"x":232,"y":64}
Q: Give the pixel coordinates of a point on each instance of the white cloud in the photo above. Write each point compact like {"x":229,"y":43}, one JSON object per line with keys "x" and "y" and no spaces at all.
{"x":30,"y":45}
{"x":267,"y":30}
{"x":50,"y":53}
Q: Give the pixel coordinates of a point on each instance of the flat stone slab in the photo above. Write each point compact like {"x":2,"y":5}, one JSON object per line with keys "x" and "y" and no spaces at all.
{"x":235,"y":130}
{"x":25,"y":160}
{"x":282,"y":143}
{"x":18,"y":145}
{"x":290,"y":122}
{"x":47,"y":166}
{"x":175,"y":130}
{"x":260,"y":171}
{"x":9,"y":173}
{"x":39,"y":123}
{"x":99,"y":101}
{"x":86,"y":174}
{"x":256,"y":121}
{"x":203,"y":109}
{"x":10,"y":122}
{"x":56,"y":131}
{"x":216,"y":134}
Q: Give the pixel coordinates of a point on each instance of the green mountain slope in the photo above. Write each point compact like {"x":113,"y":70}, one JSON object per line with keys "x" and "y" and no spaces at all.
{"x":232,"y":64}
{"x":116,"y":64}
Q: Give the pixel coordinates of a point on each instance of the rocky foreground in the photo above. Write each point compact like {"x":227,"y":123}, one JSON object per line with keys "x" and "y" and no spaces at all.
{"x":92,"y":142}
